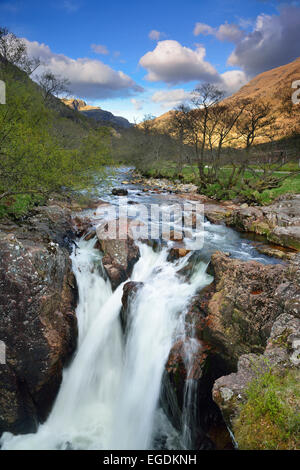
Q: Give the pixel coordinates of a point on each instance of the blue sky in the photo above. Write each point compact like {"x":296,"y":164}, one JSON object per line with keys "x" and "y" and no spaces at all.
{"x":135,"y":57}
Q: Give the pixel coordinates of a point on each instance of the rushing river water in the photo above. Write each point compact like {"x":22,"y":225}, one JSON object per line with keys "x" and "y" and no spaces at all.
{"x":109,"y":397}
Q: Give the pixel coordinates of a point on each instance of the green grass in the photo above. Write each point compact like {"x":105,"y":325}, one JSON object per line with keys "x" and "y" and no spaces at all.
{"x":19,"y":205}
{"x":270,"y":418}
{"x":189,"y":173}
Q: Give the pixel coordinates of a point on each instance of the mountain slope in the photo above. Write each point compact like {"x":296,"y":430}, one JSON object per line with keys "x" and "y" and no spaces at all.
{"x":274,"y":86}
{"x":269,"y":84}
{"x":96,"y":113}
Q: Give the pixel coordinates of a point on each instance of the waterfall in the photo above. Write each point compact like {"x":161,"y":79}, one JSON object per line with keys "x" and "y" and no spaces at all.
{"x":109,"y":395}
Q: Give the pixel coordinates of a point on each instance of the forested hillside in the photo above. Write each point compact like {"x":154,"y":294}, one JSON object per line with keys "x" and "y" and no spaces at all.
{"x":45,"y":146}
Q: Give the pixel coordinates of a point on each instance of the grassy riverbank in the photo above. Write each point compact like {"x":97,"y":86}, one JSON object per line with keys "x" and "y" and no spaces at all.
{"x":189,"y":175}
{"x":270,"y":418}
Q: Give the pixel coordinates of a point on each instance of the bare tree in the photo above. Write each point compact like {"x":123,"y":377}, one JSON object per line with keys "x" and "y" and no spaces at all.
{"x":52,"y":85}
{"x":204,"y":98}
{"x":13,"y":50}
{"x":223,"y":118}
{"x":255,"y":122}
{"x":147,"y":125}
{"x":178,"y":129}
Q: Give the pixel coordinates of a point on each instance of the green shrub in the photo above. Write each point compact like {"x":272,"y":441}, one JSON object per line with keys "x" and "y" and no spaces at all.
{"x":270,"y":418}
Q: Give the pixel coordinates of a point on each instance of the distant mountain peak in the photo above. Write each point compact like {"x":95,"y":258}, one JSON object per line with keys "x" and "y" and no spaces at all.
{"x":78,"y":105}
{"x":96,"y":113}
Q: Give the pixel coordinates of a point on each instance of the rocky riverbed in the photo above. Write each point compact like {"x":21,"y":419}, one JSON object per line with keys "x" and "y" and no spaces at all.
{"x":279,"y":222}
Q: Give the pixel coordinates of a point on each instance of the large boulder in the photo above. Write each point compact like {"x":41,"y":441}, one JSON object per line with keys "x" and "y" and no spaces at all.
{"x":279,"y":222}
{"x":218,"y":213}
{"x":38,"y":325}
{"x":244,"y":305}
{"x":120,"y":255}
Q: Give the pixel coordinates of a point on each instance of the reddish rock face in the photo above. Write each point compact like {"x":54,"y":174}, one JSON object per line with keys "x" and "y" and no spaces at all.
{"x":37,"y":316}
{"x":244,"y":306}
{"x":204,"y":366}
{"x":200,"y":366}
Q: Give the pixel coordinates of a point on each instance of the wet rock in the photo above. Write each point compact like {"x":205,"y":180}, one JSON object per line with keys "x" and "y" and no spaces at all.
{"x":82,"y":225}
{"x":120,"y":255}
{"x":191,"y":370}
{"x":279,"y":222}
{"x":218,"y":213}
{"x":276,"y":251}
{"x":38,"y":325}
{"x":47,"y":224}
{"x":130,"y":290}
{"x":119,"y":192}
{"x":286,"y":236}
{"x":243,"y":308}
{"x":77,"y":205}
{"x":91,"y":234}
{"x":186,"y":386}
{"x":248,"y":315}
{"x":176,"y":253}
{"x":173,"y":235}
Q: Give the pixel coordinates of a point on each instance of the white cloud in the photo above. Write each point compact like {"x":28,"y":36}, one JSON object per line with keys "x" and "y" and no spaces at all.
{"x":232,"y":81}
{"x":230,"y":32}
{"x":90,"y":78}
{"x":274,"y":41}
{"x":138,"y":104}
{"x":155,"y":35}
{"x":170,"y":98}
{"x":99,"y":49}
{"x":226,"y":32}
{"x":229,"y":82}
{"x":202,"y":28}
{"x":173,"y":63}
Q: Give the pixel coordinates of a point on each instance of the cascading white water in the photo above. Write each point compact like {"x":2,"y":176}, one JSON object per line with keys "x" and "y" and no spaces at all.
{"x":109,"y":394}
